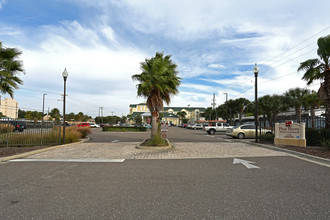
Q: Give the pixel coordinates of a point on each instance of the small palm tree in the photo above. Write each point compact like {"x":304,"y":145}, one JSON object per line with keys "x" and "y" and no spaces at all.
{"x":157,"y":82}
{"x":311,"y":102}
{"x":181,"y":115}
{"x":10,"y":67}
{"x":295,"y":97}
{"x":320,"y":69}
{"x":241,"y":105}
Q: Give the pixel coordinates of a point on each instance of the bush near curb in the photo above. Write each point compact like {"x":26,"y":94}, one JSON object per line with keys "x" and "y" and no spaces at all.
{"x":123,"y":129}
{"x":6,"y":128}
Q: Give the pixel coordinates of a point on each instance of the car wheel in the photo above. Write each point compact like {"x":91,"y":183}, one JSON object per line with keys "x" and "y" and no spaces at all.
{"x":269,"y":133}
{"x":212,"y":131}
{"x":241,"y":136}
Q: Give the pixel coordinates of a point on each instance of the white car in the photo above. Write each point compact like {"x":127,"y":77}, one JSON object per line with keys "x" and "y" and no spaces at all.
{"x":93,"y":125}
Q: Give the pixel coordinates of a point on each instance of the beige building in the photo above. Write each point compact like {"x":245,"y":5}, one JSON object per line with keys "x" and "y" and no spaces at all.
{"x":9,"y":108}
{"x":169,"y":113}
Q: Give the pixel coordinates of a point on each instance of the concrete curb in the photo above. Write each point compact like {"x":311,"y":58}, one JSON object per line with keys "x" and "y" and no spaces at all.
{"x":155,"y":148}
{"x":295,"y":153}
{"x":30,"y":153}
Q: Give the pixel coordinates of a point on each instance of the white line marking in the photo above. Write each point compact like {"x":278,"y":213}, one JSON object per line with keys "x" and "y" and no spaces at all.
{"x":115,"y":141}
{"x":87,"y":160}
{"x":246,"y":163}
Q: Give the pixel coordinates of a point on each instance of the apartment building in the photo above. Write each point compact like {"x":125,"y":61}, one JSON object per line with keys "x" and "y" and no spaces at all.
{"x":9,"y":107}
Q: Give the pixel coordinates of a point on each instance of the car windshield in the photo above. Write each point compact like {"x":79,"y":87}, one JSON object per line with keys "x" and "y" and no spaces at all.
{"x":236,"y":126}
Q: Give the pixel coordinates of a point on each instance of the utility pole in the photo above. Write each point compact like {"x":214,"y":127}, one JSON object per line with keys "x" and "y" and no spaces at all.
{"x":42,"y":116}
{"x":101,"y":113}
{"x":213,"y":106}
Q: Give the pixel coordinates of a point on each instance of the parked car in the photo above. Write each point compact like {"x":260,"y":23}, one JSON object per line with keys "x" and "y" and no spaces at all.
{"x":217,"y":127}
{"x":93,"y":125}
{"x":196,"y":126}
{"x":19,"y":125}
{"x":85,"y":124}
{"x":245,"y":131}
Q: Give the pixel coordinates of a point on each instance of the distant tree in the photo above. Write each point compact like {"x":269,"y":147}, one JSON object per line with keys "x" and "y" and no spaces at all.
{"x":138,"y":119}
{"x":55,"y":114}
{"x":123,"y":119}
{"x":181,"y":115}
{"x":10,"y":68}
{"x":271,"y":106}
{"x":316,"y":69}
{"x":158,"y":82}
{"x":241,"y":105}
{"x":310,"y":102}
{"x":294,"y":98}
{"x":233,"y":110}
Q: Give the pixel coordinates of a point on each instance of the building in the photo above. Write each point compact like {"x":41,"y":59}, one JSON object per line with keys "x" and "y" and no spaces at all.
{"x":9,"y":108}
{"x":169,"y":114}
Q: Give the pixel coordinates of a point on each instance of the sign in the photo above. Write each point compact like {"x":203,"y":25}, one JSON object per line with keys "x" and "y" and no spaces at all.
{"x":164,"y":126}
{"x":288,"y":123}
{"x":291,"y":131}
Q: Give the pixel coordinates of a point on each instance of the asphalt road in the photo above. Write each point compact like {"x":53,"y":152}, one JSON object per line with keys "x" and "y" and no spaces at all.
{"x":175,"y":134}
{"x":283,"y":188}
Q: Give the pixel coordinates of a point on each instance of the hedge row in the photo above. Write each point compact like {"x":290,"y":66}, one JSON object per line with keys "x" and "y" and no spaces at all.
{"x":123,"y":129}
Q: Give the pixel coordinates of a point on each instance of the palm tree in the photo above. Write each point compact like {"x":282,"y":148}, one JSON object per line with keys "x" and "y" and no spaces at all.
{"x":311,"y":102}
{"x":181,"y":115}
{"x":271,"y":105}
{"x":10,"y":67}
{"x":320,"y":69}
{"x":294,"y":98}
{"x":241,"y":105}
{"x":158,"y":82}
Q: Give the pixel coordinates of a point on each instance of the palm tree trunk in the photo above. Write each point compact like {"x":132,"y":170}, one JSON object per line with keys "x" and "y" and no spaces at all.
{"x":327,"y":88}
{"x":154,"y":124}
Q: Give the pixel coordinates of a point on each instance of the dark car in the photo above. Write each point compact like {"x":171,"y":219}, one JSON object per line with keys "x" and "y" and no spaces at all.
{"x":18,"y":125}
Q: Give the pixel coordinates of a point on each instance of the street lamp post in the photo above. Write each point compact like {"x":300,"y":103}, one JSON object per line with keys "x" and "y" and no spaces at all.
{"x":65,"y":76}
{"x":256,"y":71}
{"x":226,"y":105}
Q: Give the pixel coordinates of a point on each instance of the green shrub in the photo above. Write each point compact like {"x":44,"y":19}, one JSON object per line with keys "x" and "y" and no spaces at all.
{"x":5,"y":128}
{"x":156,"y":140}
{"x":123,"y":129}
{"x":83,"y":130}
{"x":317,"y":137}
{"x":267,"y":137}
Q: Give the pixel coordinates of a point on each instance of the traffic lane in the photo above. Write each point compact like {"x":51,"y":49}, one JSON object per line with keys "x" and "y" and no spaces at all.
{"x":283,"y":188}
{"x":175,"y":134}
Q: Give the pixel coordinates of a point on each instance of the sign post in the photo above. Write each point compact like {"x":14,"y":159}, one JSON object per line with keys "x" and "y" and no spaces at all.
{"x":290,"y":133}
{"x":164,"y":129}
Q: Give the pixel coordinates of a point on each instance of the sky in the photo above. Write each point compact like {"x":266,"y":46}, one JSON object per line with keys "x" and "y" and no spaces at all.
{"x":215,"y":44}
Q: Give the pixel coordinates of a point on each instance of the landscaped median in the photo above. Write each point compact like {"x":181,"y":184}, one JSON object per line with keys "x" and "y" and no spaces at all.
{"x":124,"y":129}
{"x":16,"y":143}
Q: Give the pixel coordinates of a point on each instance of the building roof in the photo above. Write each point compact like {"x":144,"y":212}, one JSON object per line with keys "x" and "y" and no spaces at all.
{"x":169,"y":115}
{"x":177,"y":109}
{"x":134,"y":114}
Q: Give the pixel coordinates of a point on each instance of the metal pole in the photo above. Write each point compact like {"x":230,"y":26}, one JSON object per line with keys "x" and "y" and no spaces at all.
{"x":256,"y":101}
{"x":64,"y":110}
{"x":42,"y":117}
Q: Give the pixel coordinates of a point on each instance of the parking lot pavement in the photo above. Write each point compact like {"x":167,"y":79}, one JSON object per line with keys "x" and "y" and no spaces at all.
{"x":181,"y":150}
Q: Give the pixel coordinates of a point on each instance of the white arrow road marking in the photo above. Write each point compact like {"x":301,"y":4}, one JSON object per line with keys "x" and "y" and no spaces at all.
{"x":115,"y":141}
{"x":246,"y":163}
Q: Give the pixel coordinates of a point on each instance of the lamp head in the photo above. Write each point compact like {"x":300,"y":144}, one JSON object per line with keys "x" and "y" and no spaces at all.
{"x":65,"y":74}
{"x":256,"y":69}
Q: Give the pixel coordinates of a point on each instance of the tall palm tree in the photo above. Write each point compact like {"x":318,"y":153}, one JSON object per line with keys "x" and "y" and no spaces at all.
{"x":271,"y":105}
{"x":10,"y":68}
{"x":294,"y":98}
{"x":157,"y":82}
{"x":241,"y":105}
{"x":311,"y":102}
{"x":181,"y":115}
{"x":320,"y":69}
